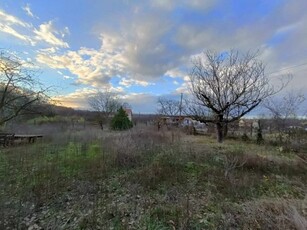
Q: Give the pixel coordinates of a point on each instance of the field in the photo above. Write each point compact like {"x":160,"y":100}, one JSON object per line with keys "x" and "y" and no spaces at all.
{"x":85,"y":178}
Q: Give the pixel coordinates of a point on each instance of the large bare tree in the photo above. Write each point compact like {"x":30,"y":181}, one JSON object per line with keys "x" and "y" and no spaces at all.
{"x":227,"y":86}
{"x":105,"y":104}
{"x":20,"y":91}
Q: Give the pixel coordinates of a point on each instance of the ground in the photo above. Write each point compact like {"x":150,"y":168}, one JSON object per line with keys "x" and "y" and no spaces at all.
{"x":85,"y":178}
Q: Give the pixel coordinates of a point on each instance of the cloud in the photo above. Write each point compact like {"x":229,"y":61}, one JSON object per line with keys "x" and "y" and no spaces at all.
{"x":79,"y":98}
{"x":15,"y":27}
{"x":142,"y":46}
{"x":128,"y":82}
{"x":9,"y":30}
{"x":50,"y":50}
{"x":174,"y":73}
{"x":64,"y":76}
{"x":194,"y":4}
{"x":142,"y":102}
{"x":24,"y":31}
{"x":92,"y":67}
{"x":138,"y":59}
{"x":147,"y":40}
{"x":28,"y":11}
{"x":12,"y":20}
{"x":47,"y":33}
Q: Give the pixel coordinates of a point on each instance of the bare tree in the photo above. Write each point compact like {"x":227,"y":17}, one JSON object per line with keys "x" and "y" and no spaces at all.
{"x":228,"y":86}
{"x":168,"y":107}
{"x":20,"y":92}
{"x":283,"y":110}
{"x":105,"y":104}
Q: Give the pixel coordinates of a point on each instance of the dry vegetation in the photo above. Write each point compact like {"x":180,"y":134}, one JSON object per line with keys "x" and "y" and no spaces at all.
{"x":85,"y":178}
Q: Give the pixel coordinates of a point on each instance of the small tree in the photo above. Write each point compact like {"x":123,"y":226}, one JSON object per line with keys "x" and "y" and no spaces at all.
{"x":227,"y":86}
{"x":121,"y":121}
{"x":104,"y":104}
{"x":20,"y":92}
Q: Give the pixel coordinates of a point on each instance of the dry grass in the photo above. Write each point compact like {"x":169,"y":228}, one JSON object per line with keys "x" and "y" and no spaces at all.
{"x":267,"y":214}
{"x":86,"y":178}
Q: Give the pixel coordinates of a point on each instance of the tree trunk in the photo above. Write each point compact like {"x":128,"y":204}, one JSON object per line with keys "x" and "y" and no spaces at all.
{"x":219,"y":132}
{"x":225,"y":128}
{"x":220,"y":129}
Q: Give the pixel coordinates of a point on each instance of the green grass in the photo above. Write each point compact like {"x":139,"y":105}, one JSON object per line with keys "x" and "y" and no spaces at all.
{"x":143,"y":179}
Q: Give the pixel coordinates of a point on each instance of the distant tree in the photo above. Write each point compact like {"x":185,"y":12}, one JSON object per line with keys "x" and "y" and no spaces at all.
{"x":171,"y":107}
{"x":283,"y":110}
{"x":168,"y":107}
{"x":104,"y":104}
{"x":227,"y":86}
{"x":20,"y":93}
{"x":121,"y":121}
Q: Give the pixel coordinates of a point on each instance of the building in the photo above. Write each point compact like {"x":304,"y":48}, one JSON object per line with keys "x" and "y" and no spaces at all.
{"x":129,"y":113}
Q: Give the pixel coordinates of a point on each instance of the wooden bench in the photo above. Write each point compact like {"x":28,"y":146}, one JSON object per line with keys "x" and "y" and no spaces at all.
{"x":8,"y":139}
{"x":28,"y":137}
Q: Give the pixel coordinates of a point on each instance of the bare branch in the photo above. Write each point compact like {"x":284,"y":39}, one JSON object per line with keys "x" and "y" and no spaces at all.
{"x":19,"y":90}
{"x":229,"y":84}
{"x":105,"y":104}
{"x":169,"y":107}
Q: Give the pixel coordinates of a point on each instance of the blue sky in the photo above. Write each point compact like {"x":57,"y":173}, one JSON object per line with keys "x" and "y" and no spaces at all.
{"x":142,"y":49}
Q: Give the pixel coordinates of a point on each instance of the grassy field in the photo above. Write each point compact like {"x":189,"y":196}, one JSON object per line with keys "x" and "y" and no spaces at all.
{"x":144,"y":179}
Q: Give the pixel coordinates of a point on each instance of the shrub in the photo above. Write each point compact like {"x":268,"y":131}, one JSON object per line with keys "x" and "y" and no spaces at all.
{"x":121,"y":121}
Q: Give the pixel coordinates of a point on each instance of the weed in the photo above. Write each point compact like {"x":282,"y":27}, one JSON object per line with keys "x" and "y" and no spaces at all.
{"x":83,"y":178}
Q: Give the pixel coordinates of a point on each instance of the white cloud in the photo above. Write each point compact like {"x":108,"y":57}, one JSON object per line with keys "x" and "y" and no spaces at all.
{"x":184,"y":87}
{"x":11,"y":20}
{"x":174,"y":73}
{"x":127,"y":82}
{"x":92,"y":67}
{"x":28,"y":11}
{"x":47,"y":33}
{"x":50,"y":50}
{"x":64,"y":76}
{"x":9,"y":30}
{"x":15,"y":27}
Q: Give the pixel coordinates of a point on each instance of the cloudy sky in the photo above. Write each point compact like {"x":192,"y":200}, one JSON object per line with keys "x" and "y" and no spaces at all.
{"x":143,"y":49}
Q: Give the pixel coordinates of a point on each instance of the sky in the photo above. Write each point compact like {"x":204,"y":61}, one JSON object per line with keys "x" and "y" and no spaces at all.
{"x":142,"y":50}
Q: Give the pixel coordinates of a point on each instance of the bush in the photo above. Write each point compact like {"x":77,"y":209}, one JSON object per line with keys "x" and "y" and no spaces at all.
{"x":121,"y":121}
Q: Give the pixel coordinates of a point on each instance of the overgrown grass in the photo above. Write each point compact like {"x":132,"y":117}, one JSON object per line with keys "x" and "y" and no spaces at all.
{"x":145,"y":179}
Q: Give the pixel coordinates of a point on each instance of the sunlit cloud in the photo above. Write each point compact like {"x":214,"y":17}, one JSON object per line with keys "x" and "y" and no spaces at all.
{"x":79,"y":98}
{"x":9,"y":30}
{"x":127,"y":82}
{"x":92,"y":67}
{"x":12,"y":20}
{"x":47,"y":33}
